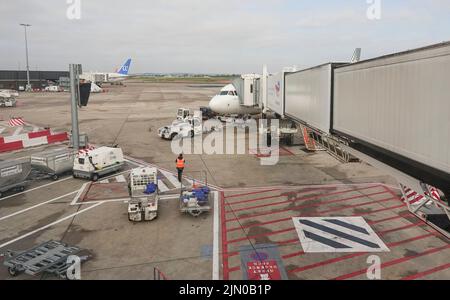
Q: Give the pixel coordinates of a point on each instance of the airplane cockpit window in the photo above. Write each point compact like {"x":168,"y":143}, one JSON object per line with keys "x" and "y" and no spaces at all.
{"x":231,"y":93}
{"x":223,"y":93}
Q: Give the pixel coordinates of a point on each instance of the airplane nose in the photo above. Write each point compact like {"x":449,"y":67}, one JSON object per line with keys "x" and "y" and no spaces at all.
{"x":214,"y":104}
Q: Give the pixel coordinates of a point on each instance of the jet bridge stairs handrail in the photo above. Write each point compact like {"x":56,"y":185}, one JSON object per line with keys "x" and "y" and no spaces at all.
{"x":317,"y":141}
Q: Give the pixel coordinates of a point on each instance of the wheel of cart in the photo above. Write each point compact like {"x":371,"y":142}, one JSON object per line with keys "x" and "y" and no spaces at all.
{"x":195,"y":200}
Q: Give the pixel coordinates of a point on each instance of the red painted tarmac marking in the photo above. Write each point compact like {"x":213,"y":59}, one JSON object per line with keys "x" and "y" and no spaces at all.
{"x":234,"y":269}
{"x":302,"y":252}
{"x":293,"y":228}
{"x":394,"y":262}
{"x":306,"y":191}
{"x":269,"y":197}
{"x":298,"y":216}
{"x":225,"y":270}
{"x":301,"y":199}
{"x":353,"y":255}
{"x":427,"y":272}
{"x":312,"y":205}
{"x":250,"y":193}
{"x":226,"y":255}
{"x":338,"y":259}
{"x":261,"y":235}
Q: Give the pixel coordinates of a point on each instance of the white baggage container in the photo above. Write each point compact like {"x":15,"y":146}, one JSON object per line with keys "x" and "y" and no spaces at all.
{"x":13,"y":174}
{"x":53,"y":162}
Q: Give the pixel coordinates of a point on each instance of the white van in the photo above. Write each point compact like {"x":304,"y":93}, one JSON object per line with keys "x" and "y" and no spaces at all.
{"x":97,"y":163}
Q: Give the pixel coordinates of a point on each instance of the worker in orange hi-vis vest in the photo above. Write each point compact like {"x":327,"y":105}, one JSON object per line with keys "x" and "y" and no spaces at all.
{"x":180,"y":166}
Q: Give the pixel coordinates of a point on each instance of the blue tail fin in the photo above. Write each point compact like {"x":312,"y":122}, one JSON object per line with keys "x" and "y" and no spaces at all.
{"x":124,"y":69}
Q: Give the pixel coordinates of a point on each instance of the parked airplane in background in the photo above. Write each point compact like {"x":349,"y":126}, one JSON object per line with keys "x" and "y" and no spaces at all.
{"x":227,"y":103}
{"x":99,"y":77}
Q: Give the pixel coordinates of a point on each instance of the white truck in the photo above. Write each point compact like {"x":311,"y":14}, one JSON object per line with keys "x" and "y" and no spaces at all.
{"x":7,"y":99}
{"x":53,"y":88}
{"x":187,"y":125}
{"x":98,"y":162}
{"x":144,"y":193}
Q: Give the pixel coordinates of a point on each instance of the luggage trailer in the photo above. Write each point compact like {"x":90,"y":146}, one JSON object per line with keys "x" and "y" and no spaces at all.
{"x":13,"y":175}
{"x":50,"y":257}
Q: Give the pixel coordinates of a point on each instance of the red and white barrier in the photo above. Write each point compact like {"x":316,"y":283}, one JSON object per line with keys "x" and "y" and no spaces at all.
{"x":415,"y":198}
{"x":32,"y":139}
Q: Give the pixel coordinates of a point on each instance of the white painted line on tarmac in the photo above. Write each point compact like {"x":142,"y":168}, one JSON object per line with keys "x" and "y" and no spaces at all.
{"x":173,"y":180}
{"x":80,"y":191}
{"x":162,"y":187}
{"x":104,"y":181}
{"x":49,"y":225}
{"x":124,"y":200}
{"x":35,"y":206}
{"x":215,"y":270}
{"x":169,"y":197}
{"x":121,"y":178}
{"x":36,"y":188}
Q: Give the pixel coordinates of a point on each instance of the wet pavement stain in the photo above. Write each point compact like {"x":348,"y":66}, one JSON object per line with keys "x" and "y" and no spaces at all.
{"x":410,"y":253}
{"x":358,"y":211}
{"x":250,"y":223}
{"x":409,"y":273}
{"x":258,"y":231}
{"x":29,"y":241}
{"x":75,"y":234}
{"x":14,"y":202}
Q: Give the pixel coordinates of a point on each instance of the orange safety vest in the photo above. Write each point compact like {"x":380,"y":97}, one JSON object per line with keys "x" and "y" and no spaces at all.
{"x":180,"y":163}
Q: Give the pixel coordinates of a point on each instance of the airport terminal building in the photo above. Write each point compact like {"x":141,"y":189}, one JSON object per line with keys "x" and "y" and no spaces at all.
{"x":38,"y":79}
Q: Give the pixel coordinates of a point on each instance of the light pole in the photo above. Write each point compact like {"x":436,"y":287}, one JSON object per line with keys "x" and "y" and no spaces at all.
{"x":28,"y":87}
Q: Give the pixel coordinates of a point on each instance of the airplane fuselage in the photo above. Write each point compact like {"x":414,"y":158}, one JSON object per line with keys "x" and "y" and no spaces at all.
{"x":227,"y":103}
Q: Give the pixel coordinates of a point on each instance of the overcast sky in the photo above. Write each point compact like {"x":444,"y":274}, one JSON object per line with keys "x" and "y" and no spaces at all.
{"x":213,"y":36}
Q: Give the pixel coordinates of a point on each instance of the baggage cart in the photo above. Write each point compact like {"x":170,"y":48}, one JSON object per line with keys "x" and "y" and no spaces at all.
{"x":13,"y":175}
{"x":54,"y":162}
{"x":49,"y":257}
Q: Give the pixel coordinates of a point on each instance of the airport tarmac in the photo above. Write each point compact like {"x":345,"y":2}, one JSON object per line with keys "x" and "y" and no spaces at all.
{"x":254,"y":205}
